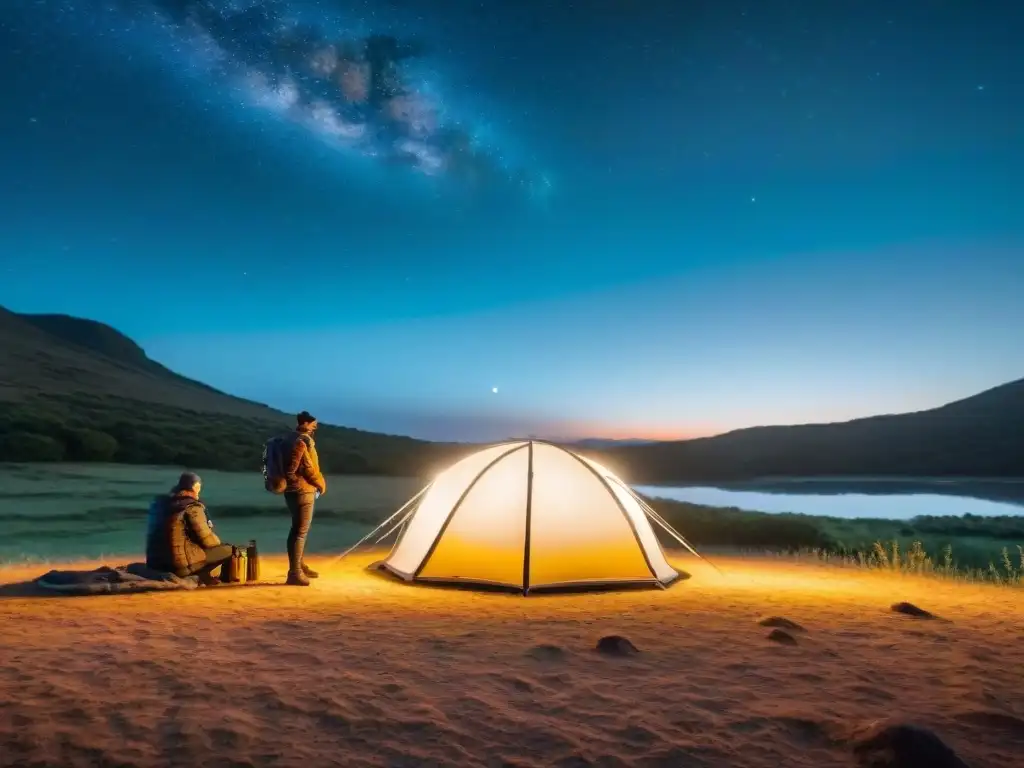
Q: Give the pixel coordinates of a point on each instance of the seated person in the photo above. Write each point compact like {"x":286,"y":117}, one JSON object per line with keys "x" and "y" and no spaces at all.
{"x":180,"y":537}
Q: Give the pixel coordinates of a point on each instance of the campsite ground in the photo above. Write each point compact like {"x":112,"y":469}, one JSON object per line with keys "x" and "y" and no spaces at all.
{"x":360,"y":670}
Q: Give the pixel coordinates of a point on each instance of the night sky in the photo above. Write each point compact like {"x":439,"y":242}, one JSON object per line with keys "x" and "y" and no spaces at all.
{"x":630,"y":217}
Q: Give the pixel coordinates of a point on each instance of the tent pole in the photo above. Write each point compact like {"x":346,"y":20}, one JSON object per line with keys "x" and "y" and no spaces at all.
{"x":653,"y":514}
{"x":374,"y":532}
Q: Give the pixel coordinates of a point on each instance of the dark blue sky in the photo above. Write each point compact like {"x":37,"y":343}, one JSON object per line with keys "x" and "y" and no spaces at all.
{"x":631,"y":218}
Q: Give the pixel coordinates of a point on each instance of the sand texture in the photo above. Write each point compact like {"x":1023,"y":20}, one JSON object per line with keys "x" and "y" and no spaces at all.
{"x":361,"y":671}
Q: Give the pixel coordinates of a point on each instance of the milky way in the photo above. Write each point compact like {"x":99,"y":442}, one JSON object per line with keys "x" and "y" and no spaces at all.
{"x":356,"y":92}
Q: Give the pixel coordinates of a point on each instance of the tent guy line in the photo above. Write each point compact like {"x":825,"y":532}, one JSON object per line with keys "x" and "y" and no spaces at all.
{"x":400,"y":510}
{"x":653,"y":514}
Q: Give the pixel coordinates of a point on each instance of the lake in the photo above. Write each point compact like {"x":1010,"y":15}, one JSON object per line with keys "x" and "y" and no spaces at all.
{"x":891,"y":499}
{"x":70,"y":511}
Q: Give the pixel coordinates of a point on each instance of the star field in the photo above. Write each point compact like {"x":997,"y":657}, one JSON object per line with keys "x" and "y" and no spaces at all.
{"x":658,"y":218}
{"x":336,"y":71}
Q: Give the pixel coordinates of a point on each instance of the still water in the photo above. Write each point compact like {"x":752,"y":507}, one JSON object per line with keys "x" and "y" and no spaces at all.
{"x":887,"y":500}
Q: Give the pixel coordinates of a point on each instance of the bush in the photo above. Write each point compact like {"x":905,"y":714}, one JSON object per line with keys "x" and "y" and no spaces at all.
{"x":710,"y":526}
{"x":135,"y":432}
{"x":29,"y":446}
{"x":91,"y":445}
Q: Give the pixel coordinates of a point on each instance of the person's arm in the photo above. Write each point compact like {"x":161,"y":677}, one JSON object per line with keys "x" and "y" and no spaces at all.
{"x":199,"y":527}
{"x":315,"y":476}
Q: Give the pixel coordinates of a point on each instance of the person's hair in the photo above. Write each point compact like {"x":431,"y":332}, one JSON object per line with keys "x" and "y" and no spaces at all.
{"x":305,"y":418}
{"x":187,"y":481}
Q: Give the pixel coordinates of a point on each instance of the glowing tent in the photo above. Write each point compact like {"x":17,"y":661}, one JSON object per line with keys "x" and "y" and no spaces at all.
{"x":528,"y":515}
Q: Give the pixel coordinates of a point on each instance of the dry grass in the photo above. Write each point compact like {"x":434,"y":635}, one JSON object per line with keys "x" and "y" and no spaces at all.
{"x":1008,"y":571}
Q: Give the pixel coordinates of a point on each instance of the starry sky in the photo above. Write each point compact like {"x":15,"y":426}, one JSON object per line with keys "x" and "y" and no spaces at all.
{"x":631,"y":219}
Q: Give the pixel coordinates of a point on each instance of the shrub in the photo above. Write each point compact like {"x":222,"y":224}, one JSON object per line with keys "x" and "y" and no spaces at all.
{"x":90,"y":445}
{"x":153,"y":433}
{"x":29,"y":446}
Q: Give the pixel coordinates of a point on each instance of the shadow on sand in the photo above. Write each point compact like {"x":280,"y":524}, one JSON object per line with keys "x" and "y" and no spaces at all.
{"x":32,"y":590}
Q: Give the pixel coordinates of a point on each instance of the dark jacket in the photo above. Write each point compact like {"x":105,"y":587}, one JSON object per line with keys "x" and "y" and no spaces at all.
{"x":302,"y":472}
{"x":179,"y":533}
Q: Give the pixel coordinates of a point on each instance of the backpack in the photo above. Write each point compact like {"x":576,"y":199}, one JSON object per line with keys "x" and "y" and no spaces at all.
{"x":275,"y":457}
{"x":158,"y":544}
{"x":154,"y":520}
{"x":274,"y":452}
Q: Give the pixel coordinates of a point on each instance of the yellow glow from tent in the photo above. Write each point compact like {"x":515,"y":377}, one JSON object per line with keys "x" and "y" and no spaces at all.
{"x":640,"y":522}
{"x":485,"y":538}
{"x":577,"y":529}
{"x":435,"y":505}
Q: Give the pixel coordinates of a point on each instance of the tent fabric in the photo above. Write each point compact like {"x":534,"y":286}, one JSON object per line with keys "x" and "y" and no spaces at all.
{"x":529,"y":515}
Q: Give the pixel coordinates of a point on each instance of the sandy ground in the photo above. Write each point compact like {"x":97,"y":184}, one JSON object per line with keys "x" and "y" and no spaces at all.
{"x":359,"y":670}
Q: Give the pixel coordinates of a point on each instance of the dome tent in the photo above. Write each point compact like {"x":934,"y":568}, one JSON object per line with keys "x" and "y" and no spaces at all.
{"x":528,"y":515}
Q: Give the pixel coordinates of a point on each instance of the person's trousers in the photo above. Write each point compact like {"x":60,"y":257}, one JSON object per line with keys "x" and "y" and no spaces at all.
{"x":301,"y":507}
{"x":214,"y":556}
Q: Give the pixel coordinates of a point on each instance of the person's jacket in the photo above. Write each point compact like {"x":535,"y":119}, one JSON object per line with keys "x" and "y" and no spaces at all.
{"x":302,"y":473}
{"x":179,"y":533}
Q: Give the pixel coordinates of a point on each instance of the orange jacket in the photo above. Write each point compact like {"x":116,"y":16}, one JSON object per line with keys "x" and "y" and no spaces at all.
{"x":303,"y":471}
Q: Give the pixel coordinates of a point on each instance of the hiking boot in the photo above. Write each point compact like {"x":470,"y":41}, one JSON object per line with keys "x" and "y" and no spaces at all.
{"x":297,"y":579}
{"x":209,"y":581}
{"x":310,"y":572}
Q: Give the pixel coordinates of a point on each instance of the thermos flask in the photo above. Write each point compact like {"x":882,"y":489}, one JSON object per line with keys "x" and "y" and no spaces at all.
{"x":252,"y":572}
{"x":241,"y":566}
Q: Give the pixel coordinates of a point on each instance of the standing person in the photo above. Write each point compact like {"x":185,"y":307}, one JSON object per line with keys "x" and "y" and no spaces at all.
{"x":180,"y":538}
{"x":305,"y":484}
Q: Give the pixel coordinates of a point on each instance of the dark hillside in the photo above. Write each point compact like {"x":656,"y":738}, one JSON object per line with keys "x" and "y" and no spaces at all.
{"x":79,"y":390}
{"x":979,"y":436}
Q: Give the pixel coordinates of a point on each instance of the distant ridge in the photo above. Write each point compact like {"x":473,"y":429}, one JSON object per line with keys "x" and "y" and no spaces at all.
{"x":977,"y":436}
{"x":73,"y":389}
{"x":607,"y":442}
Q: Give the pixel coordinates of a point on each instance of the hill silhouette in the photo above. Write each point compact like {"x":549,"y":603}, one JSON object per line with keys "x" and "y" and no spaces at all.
{"x":979,"y":436}
{"x":79,"y":390}
{"x":74,"y":389}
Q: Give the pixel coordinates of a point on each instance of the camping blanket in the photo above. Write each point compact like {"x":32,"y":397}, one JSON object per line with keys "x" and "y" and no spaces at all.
{"x":135,"y":577}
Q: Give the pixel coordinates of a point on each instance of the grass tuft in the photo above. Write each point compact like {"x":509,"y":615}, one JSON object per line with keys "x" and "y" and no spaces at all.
{"x":916,"y":561}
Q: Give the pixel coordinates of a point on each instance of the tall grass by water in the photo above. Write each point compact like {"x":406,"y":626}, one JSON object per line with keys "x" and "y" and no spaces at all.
{"x":1006,"y":569}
